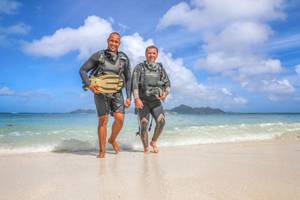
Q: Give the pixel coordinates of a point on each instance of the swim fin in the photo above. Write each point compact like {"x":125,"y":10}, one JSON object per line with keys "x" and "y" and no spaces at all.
{"x":107,"y":83}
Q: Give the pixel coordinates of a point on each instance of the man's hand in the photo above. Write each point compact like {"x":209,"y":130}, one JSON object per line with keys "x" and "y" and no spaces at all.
{"x":93,"y":88}
{"x":163,"y":97}
{"x":138,"y":103}
{"x":127,"y":103}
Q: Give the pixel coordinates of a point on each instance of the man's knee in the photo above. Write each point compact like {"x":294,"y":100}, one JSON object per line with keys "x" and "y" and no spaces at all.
{"x":103,"y":120}
{"x":119,"y":117}
{"x":160,"y":122}
{"x":144,"y":125}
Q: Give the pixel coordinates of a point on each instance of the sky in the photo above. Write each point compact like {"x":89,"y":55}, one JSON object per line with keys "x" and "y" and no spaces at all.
{"x":237,"y":55}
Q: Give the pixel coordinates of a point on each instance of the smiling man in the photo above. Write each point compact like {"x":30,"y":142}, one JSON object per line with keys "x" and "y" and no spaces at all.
{"x":108,"y":63}
{"x":150,"y":85}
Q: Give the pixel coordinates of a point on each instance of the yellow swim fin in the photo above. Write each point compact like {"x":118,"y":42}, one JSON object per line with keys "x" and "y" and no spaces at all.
{"x":107,"y":83}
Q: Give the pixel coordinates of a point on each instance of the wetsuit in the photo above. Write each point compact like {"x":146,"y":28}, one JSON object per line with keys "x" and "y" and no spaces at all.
{"x":103,"y":62}
{"x":148,"y":82}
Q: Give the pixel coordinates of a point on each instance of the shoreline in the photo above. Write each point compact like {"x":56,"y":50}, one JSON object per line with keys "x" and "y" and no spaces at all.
{"x":126,"y":148}
{"x":268,"y":169}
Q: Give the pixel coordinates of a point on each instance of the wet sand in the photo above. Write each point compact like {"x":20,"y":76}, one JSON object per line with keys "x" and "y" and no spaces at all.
{"x":246,"y":170}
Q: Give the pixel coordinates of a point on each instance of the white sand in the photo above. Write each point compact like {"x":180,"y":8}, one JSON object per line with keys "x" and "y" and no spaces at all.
{"x":250,"y":170}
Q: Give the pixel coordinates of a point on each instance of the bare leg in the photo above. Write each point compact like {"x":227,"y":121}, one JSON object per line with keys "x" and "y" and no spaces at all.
{"x":116,"y":128}
{"x":102,"y":126}
{"x":160,"y":123}
{"x":144,"y":134}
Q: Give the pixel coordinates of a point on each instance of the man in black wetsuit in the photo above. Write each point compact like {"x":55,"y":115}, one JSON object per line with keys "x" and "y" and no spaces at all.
{"x":103,"y":62}
{"x":150,"y":86}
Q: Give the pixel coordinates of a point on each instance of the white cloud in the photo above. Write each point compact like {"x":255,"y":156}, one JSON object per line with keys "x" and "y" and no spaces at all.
{"x":9,"y":6}
{"x":278,"y":89}
{"x":278,"y":86}
{"x":297,"y":69}
{"x":83,"y":95}
{"x":183,"y":14}
{"x":19,"y":28}
{"x":233,"y":49}
{"x":239,"y":65}
{"x":134,"y":46}
{"x":242,"y":9}
{"x":123,"y":26}
{"x":226,"y":91}
{"x":5,"y":91}
{"x":35,"y":93}
{"x":284,"y":42}
{"x":232,"y":38}
{"x":238,"y":37}
{"x":86,"y":39}
{"x":186,"y":88}
{"x":210,"y":14}
{"x":240,"y":100}
{"x":275,"y":89}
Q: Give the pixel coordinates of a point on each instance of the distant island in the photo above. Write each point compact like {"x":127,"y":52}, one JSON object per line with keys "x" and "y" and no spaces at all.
{"x":83,"y":111}
{"x":182,"y":109}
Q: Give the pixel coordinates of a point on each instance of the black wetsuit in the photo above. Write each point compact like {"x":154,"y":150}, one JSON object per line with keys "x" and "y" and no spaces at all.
{"x":145,"y":80}
{"x":103,"y":62}
{"x":148,"y":82}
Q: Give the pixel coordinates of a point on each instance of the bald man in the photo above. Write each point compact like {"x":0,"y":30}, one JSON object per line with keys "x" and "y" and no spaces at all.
{"x":109,"y":61}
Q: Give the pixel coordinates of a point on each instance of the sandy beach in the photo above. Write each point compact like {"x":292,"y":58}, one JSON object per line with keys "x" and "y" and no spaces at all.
{"x":247,"y":170}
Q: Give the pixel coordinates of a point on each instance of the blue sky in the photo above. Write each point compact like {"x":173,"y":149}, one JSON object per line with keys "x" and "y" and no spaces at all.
{"x":244,"y":57}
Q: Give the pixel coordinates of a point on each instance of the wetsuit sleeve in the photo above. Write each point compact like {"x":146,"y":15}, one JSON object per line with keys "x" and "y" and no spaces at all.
{"x":90,"y":64}
{"x":135,"y":81}
{"x":166,"y":80}
{"x":127,"y":76}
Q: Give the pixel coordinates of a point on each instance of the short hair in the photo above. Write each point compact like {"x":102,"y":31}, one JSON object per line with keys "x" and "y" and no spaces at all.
{"x":151,"y":47}
{"x":114,"y":33}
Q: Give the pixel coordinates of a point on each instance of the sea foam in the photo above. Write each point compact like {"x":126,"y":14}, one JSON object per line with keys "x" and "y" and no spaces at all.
{"x":31,"y":138}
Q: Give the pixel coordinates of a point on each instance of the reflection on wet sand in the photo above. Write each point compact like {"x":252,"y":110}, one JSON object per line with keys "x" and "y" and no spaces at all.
{"x":143,"y":178}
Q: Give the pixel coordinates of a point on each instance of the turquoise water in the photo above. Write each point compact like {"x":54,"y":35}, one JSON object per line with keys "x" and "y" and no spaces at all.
{"x":74,"y":132}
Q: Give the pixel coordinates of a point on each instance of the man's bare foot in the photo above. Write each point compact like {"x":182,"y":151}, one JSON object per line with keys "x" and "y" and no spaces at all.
{"x":146,"y":150}
{"x":101,"y":155}
{"x":154,"y":146}
{"x":115,"y":145}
